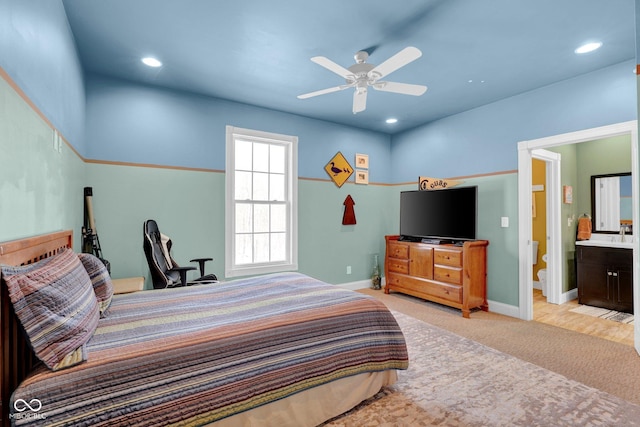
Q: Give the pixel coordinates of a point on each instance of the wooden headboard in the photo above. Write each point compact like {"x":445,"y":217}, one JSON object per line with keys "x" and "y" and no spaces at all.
{"x":16,"y":357}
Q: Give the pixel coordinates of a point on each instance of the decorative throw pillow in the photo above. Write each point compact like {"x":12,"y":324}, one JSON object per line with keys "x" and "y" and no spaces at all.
{"x":100,"y":280}
{"x":56,"y":305}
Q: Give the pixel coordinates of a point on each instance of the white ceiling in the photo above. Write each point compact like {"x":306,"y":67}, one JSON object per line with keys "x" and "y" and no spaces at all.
{"x":258,"y":52}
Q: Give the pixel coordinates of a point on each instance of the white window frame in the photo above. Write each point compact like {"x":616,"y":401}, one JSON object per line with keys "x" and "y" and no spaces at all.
{"x":232,"y":269}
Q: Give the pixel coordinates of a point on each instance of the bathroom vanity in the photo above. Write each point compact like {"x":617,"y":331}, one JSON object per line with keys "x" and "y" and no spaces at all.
{"x":604,"y":263}
{"x":605,"y":273}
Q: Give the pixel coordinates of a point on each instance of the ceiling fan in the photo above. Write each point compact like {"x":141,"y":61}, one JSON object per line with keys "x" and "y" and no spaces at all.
{"x":363,"y":75}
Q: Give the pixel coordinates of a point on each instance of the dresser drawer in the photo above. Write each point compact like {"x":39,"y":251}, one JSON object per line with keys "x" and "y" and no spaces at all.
{"x":447,"y":274}
{"x":398,"y":250}
{"x":393,"y":280}
{"x":447,"y":257}
{"x":447,"y":292}
{"x":398,"y":265}
{"x":425,"y":288}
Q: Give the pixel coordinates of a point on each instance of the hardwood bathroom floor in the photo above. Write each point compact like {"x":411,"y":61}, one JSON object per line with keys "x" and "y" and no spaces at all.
{"x":559,"y":315}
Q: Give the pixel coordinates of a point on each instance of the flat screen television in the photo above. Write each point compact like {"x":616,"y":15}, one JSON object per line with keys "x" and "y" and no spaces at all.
{"x":448,"y":215}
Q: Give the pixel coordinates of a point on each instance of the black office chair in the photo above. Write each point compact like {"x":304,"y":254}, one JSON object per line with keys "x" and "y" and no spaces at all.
{"x":165,"y":272}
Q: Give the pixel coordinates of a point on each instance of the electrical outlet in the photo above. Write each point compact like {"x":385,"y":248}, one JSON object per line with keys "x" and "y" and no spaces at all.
{"x":504,"y":221}
{"x":348,"y":269}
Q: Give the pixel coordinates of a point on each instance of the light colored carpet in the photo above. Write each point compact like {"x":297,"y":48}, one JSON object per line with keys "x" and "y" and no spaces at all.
{"x":603,"y":364}
{"x":455,"y":381}
{"x":604,"y":313}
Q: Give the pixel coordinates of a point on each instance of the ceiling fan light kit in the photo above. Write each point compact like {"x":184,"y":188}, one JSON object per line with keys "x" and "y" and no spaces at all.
{"x":363,"y":75}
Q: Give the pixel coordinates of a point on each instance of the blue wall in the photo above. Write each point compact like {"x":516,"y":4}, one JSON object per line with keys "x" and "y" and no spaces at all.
{"x":142,"y":124}
{"x":454,"y":146}
{"x":40,"y":188}
{"x":38,"y":52}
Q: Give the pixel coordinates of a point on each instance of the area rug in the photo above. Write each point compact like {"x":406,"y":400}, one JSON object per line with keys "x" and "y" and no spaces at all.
{"x":604,"y":313}
{"x":455,"y":381}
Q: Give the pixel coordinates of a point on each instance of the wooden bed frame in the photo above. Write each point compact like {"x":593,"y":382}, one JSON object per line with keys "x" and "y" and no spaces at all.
{"x":16,"y":357}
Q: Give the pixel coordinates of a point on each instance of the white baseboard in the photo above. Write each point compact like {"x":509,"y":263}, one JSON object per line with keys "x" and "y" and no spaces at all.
{"x":568,"y":296}
{"x":354,"y":286}
{"x":504,"y":309}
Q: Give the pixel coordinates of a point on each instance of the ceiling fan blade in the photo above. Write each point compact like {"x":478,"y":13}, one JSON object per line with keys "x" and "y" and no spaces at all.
{"x":359,"y":101}
{"x":332,"y":66}
{"x":403,"y":88}
{"x":400,"y":59}
{"x":323,"y":91}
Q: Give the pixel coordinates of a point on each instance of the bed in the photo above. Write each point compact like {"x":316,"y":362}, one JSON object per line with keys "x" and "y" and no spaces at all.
{"x":281,"y":349}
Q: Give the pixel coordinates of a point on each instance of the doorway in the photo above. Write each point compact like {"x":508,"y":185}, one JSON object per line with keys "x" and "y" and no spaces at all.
{"x":539,"y":229}
{"x":526,"y":151}
{"x":552,"y":233}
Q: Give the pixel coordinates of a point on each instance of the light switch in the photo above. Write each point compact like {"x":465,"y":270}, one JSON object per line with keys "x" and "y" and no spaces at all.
{"x":504,"y":221}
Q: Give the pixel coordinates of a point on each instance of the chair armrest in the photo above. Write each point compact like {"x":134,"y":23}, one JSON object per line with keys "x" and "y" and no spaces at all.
{"x":201,"y":262}
{"x":183,"y":274}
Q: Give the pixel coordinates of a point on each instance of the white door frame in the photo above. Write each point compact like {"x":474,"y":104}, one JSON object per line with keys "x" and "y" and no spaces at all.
{"x":554,"y":230}
{"x":525,"y":154}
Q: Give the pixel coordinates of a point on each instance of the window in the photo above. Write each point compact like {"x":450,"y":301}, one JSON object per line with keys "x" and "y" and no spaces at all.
{"x":261,"y":202}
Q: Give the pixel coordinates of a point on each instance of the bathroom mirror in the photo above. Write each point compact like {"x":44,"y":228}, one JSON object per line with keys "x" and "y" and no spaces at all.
{"x":611,"y":202}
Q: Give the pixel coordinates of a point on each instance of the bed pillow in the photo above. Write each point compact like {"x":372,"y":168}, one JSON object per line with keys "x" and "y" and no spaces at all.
{"x":56,"y":305}
{"x":100,"y":280}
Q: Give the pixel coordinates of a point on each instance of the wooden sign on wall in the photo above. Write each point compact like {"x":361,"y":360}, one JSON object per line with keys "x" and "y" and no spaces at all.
{"x":428,"y":183}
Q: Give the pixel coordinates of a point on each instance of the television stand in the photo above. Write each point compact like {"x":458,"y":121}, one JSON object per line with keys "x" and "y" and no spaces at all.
{"x":444,"y":273}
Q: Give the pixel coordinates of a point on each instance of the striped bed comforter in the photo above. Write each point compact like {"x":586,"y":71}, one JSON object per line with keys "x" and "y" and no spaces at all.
{"x":190,"y":356}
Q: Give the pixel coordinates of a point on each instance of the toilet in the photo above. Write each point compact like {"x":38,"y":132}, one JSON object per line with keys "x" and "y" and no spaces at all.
{"x":542,"y":277}
{"x":542,"y":273}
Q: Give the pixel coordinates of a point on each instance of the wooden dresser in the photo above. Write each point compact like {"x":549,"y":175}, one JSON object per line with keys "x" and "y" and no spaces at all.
{"x":447,"y":274}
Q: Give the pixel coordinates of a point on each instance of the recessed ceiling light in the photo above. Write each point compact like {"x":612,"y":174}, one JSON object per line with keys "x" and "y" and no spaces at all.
{"x":588,"y":47}
{"x":392,"y":121}
{"x":151,"y":62}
